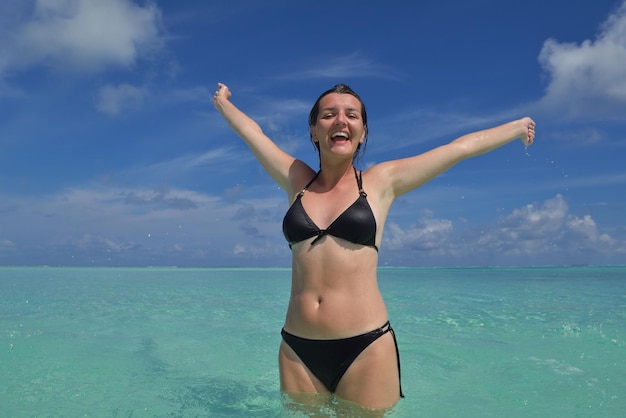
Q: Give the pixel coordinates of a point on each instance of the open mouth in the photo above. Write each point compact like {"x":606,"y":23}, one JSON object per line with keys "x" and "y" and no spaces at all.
{"x":340,"y":136}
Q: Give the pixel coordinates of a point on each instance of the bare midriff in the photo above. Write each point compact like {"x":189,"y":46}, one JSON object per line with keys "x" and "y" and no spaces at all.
{"x":334,"y":292}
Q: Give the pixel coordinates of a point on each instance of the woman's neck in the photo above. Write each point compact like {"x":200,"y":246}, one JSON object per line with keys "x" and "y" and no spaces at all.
{"x":331,"y":174}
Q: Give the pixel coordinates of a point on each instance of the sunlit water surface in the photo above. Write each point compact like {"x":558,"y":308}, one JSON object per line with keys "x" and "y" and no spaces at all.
{"x":514,"y":342}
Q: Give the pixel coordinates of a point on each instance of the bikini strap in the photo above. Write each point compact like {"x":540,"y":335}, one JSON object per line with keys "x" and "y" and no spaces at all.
{"x":309,"y":183}
{"x":359,"y":182}
{"x":357,"y":174}
{"x":395,"y":341}
{"x":387,"y":329}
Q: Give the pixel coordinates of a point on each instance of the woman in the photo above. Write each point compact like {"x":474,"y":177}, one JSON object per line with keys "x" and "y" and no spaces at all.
{"x":336,"y":336}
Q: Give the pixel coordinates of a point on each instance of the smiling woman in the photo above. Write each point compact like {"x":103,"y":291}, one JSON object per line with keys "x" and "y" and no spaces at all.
{"x":337,"y":337}
{"x":349,"y":110}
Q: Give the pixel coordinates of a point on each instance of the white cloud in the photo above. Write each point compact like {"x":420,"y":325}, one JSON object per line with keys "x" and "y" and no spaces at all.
{"x":82,"y":35}
{"x":199,"y":94}
{"x":429,"y":235}
{"x":534,"y":233}
{"x":114,"y":100}
{"x":6,"y":244}
{"x":533,"y":221}
{"x":588,"y":79}
{"x":586,"y":227}
{"x":550,"y":230}
{"x":136,"y":226}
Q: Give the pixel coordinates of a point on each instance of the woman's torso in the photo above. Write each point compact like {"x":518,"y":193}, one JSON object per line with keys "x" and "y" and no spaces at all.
{"x":334,"y":285}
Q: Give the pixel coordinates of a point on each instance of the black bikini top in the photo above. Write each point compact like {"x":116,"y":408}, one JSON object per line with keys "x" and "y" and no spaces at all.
{"x":356,"y":224}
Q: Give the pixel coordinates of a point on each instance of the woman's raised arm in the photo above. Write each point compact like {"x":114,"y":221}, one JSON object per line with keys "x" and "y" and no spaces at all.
{"x":409,"y":173}
{"x":275,"y":161}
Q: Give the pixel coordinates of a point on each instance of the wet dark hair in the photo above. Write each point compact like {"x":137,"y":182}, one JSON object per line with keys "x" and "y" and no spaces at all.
{"x":341,"y":89}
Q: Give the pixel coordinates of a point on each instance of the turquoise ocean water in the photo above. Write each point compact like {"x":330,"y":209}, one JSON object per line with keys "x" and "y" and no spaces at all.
{"x":474,"y":342}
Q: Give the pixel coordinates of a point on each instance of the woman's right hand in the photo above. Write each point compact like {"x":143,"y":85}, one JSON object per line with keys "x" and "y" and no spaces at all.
{"x":222,"y":93}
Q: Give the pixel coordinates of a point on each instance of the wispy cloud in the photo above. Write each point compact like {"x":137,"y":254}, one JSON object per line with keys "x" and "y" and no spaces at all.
{"x":116,"y":99}
{"x":597,"y":181}
{"x":136,"y":226}
{"x":216,"y":160}
{"x":413,"y":126}
{"x":341,"y":67}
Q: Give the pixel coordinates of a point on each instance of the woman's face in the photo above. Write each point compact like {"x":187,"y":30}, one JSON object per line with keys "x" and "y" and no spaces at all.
{"x":339,"y":127}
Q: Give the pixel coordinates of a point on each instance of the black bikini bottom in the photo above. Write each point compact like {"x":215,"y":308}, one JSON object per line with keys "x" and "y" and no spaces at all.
{"x":329,"y":360}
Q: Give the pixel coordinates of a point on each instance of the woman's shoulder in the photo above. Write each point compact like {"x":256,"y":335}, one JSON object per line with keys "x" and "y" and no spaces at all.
{"x":378,"y":173}
{"x":300,"y":174}
{"x":377,"y":179}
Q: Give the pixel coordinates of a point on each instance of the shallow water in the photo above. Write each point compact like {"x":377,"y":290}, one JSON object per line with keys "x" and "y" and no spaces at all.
{"x":203,"y":342}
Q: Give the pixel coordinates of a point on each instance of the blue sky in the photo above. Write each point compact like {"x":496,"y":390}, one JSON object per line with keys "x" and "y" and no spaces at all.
{"x":111,"y":152}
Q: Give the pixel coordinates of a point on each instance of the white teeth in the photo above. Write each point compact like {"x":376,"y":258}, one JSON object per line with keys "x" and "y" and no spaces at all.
{"x":342,"y":134}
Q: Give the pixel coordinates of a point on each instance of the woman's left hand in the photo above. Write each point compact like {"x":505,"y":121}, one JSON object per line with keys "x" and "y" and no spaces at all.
{"x":529,"y":131}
